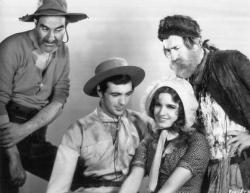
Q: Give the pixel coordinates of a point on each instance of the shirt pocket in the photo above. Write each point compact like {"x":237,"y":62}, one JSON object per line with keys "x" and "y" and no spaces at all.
{"x":98,"y":152}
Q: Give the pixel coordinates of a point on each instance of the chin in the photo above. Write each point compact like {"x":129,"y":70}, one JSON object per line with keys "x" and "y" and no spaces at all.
{"x":163,"y":125}
{"x":50,"y":49}
{"x":118,"y":113}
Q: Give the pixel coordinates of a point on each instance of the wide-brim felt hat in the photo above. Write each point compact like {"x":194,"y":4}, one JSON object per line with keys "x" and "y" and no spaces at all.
{"x":54,"y":8}
{"x":110,"y":68}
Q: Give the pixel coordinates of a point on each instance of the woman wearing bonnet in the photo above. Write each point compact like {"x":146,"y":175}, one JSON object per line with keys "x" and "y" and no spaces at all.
{"x":175,"y":157}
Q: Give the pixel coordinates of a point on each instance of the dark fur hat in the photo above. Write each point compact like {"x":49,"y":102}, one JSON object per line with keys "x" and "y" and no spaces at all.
{"x":180,"y":25}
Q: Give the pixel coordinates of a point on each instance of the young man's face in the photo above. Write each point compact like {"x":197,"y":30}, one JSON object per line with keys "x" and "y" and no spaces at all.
{"x":183,"y":60}
{"x":50,"y":31}
{"x":115,"y":99}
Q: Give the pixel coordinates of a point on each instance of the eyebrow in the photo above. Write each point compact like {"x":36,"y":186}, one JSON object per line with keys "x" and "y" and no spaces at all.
{"x":118,"y":93}
{"x":172,"y":105}
{"x":61,"y":26}
{"x":170,"y":48}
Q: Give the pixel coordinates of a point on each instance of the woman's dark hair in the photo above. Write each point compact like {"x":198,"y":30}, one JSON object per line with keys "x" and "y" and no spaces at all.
{"x":179,"y":124}
{"x":118,"y":79}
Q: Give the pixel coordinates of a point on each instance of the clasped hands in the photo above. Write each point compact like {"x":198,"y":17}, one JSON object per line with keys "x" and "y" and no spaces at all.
{"x":11,"y":134}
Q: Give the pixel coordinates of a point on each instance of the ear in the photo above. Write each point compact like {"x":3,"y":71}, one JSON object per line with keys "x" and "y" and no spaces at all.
{"x":198,"y":41}
{"x":98,"y":90}
{"x":36,"y":22}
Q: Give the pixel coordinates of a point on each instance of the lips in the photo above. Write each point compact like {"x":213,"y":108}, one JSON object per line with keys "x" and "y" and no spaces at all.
{"x":161,"y":119}
{"x":119,"y":108}
{"x":49,"y":44}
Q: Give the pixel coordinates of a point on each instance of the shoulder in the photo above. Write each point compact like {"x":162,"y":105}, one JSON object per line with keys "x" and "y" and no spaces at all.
{"x":81,"y":126}
{"x":229,"y":56}
{"x":15,"y":41}
{"x":16,"y":38}
{"x":87,"y":122}
{"x":197,"y":140}
{"x":141,"y":120}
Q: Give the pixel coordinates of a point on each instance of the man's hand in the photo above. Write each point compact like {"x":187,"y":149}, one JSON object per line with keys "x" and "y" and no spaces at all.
{"x":17,"y":173}
{"x":11,"y":134}
{"x":239,"y":141}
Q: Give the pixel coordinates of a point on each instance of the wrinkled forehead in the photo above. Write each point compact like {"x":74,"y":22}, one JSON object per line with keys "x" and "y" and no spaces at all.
{"x":173,"y":41}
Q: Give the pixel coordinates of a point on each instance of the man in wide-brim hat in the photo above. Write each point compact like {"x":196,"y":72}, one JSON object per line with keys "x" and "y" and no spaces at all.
{"x":106,"y":139}
{"x":34,"y":85}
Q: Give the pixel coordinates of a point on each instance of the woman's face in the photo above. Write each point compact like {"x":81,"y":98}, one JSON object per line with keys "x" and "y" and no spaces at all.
{"x":165,"y":111}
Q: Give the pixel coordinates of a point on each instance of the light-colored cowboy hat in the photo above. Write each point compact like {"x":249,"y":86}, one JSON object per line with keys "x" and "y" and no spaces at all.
{"x":54,"y":8}
{"x":113,"y":67}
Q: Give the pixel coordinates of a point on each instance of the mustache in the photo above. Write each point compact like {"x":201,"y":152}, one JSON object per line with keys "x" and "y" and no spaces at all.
{"x":50,"y":42}
{"x":177,"y":61}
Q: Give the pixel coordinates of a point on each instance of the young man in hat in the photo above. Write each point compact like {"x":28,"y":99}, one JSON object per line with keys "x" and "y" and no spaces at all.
{"x":222,"y":85}
{"x":34,"y":85}
{"x":106,"y":139}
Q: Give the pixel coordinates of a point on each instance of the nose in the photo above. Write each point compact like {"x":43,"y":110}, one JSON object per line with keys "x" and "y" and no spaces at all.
{"x":162,"y":111}
{"x":173,"y":55}
{"x":51,"y":36}
{"x":122,"y":100}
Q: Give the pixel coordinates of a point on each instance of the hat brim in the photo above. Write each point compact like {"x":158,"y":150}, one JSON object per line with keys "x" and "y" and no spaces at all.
{"x":71,"y":17}
{"x":136,"y":74}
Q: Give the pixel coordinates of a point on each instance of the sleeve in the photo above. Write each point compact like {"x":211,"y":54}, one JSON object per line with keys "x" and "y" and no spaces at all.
{"x":73,"y":137}
{"x":197,"y":155}
{"x":242,"y":67}
{"x":66,"y":160}
{"x":140,"y":156}
{"x":63,"y":170}
{"x":8,"y":66}
{"x":61,"y":88}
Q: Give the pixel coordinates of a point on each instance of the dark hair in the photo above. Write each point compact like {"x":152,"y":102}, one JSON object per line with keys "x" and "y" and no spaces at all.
{"x":117,"y":79}
{"x":183,"y":26}
{"x":178,"y":125}
{"x":180,"y":25}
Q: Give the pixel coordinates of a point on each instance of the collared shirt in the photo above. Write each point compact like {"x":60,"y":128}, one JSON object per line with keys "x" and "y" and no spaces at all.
{"x":29,"y":77}
{"x":104,"y":156}
{"x":105,"y":145}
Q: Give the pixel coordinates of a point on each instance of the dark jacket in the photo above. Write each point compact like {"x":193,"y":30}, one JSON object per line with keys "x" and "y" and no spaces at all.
{"x":228,"y":82}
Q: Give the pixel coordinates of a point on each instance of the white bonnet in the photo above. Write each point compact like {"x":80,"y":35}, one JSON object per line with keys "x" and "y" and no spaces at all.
{"x":185,"y":91}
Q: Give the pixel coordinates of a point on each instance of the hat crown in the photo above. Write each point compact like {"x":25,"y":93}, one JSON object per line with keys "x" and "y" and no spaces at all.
{"x":56,"y":5}
{"x":110,"y":64}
